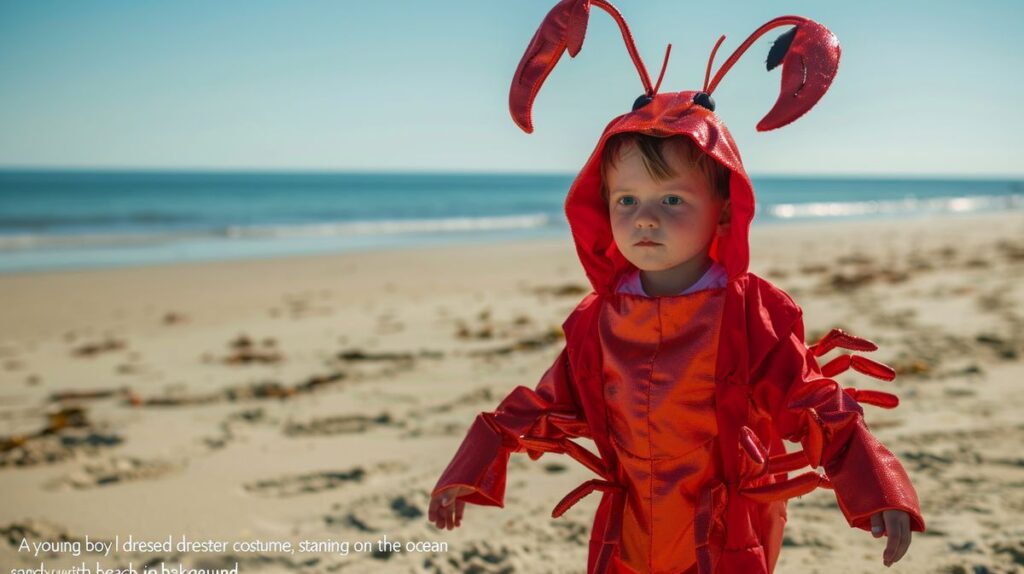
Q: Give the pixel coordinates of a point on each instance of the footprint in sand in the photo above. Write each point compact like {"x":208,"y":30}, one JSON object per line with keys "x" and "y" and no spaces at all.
{"x":113,"y":470}
{"x":93,"y":349}
{"x":174,"y":318}
{"x":245,"y":351}
{"x":378,"y":512}
{"x":68,"y":432}
{"x":405,"y":509}
{"x":13,"y":365}
{"x":342,"y":424}
{"x":479,"y":556}
{"x":250,"y":391}
{"x":478,"y":395}
{"x":305,"y":483}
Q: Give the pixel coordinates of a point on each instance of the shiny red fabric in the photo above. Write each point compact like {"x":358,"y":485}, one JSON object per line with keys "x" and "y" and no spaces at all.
{"x":659,"y":388}
{"x":687,"y":398}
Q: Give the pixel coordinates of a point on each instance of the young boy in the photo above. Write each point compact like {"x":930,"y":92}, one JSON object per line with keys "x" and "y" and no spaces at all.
{"x":682,"y":365}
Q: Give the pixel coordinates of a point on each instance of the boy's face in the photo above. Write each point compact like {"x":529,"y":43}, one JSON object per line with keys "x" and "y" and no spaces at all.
{"x":680,"y":216}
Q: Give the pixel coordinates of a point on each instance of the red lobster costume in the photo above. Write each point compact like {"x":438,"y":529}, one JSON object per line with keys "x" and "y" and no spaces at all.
{"x":688,"y":397}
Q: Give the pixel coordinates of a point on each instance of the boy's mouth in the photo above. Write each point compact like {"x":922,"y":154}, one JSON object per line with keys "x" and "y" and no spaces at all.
{"x":646,"y":243}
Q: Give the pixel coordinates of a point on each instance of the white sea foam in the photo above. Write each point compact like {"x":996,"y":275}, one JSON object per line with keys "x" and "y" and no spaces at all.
{"x":443,"y":226}
{"x":392,"y":226}
{"x":318,"y":230}
{"x":908,"y":206}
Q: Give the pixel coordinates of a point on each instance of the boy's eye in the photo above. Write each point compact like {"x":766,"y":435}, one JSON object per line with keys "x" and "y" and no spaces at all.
{"x":627,"y":200}
{"x":674,"y":200}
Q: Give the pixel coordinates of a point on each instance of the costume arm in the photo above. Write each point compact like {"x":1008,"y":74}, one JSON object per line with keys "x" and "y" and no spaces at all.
{"x":808,"y":407}
{"x":550,"y":411}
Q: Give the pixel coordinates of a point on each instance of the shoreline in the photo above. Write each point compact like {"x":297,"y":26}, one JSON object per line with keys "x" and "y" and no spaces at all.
{"x":770,"y":227}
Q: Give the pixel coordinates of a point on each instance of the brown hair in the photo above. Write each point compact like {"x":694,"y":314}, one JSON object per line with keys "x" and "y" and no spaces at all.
{"x":650,"y":147}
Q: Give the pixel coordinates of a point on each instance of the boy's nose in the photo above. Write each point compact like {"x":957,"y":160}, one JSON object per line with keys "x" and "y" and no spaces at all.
{"x":644,"y":219}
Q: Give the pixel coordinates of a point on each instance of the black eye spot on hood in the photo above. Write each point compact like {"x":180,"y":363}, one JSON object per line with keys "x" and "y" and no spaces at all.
{"x":704,"y":100}
{"x":641,"y":102}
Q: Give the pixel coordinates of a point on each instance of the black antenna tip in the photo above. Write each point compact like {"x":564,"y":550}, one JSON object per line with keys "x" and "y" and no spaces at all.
{"x":704,"y":100}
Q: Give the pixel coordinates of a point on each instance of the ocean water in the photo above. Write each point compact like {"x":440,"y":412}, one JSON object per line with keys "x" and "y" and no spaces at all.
{"x":82,"y":219}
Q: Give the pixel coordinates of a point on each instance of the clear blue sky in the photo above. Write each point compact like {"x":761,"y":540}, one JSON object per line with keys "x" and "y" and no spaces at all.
{"x":924,"y":87}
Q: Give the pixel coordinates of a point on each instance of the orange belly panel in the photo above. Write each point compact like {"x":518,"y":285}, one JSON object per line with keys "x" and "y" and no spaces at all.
{"x":659,"y":372}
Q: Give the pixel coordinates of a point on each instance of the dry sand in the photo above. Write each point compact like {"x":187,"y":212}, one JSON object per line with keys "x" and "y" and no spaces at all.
{"x":319,"y":398}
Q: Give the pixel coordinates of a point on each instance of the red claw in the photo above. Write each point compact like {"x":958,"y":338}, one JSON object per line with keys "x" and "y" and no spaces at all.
{"x":876,"y":398}
{"x":541,"y":444}
{"x":873,"y":368}
{"x":836,"y":365}
{"x":584,"y":457}
{"x":814,"y":435}
{"x":762,"y":464}
{"x":861,"y":365}
{"x":563,"y":27}
{"x":579,"y":14}
{"x":752,"y":445}
{"x":757,"y":455}
{"x":562,"y":30}
{"x":815,"y":441}
{"x":787,"y":462}
{"x":536,"y":446}
{"x":839,"y":338}
{"x":808,"y":68}
{"x":797,"y":486}
{"x":581,"y":492}
{"x":810,"y":59}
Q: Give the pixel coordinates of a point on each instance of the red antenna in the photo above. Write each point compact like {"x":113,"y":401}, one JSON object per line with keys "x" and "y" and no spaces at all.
{"x":562,"y":31}
{"x":627,"y":37}
{"x":765,"y":28}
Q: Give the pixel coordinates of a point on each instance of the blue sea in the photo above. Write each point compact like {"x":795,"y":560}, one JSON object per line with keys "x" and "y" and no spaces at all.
{"x":85,"y":219}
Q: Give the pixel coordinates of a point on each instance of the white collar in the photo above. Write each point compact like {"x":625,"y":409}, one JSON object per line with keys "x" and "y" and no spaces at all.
{"x":714,"y":278}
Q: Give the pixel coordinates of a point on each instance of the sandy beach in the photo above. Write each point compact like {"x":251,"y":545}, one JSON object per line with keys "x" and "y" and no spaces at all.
{"x":318,"y":399}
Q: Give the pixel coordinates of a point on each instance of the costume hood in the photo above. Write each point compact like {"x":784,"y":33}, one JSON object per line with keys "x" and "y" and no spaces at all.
{"x":809,"y":54}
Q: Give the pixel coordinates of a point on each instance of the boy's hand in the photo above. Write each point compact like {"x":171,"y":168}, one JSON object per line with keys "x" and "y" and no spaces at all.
{"x":896,"y":525}
{"x":445,"y":509}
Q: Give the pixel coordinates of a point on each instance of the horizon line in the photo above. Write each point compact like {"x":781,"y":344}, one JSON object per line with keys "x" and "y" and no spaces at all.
{"x":435,"y":172}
